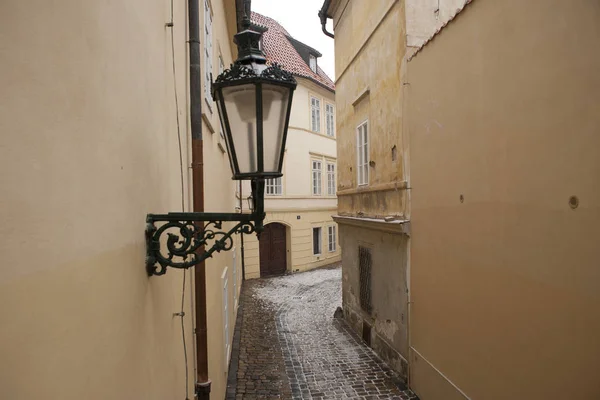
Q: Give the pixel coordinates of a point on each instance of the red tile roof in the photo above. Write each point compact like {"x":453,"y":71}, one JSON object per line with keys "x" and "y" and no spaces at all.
{"x":279,"y":50}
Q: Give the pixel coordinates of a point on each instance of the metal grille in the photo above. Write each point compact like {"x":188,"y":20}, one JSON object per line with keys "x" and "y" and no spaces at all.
{"x":365,"y":262}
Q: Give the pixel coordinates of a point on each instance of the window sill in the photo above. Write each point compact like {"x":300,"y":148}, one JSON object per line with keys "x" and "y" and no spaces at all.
{"x":206,"y":119}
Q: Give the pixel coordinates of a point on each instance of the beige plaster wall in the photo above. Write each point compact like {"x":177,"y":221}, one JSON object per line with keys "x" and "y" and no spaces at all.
{"x":88,"y":146}
{"x":369,"y":89}
{"x":504,"y":111}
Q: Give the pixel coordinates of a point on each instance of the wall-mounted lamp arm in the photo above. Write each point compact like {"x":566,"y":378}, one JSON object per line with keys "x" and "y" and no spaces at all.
{"x":188,"y":234}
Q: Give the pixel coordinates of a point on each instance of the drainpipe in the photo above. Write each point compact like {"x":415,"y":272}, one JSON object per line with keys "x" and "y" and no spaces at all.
{"x":202,"y":385}
{"x":323,"y":17}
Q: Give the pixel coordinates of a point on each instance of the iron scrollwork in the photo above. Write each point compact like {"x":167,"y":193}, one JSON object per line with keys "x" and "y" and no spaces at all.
{"x":239,"y":72}
{"x":185,"y":239}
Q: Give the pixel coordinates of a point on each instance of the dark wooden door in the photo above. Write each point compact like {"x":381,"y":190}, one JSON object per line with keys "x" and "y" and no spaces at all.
{"x":273,"y":255}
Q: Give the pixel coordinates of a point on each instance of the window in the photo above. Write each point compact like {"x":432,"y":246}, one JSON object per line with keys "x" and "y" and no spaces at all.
{"x":316,"y":241}
{"x":226,"y":316}
{"x":235,"y":289}
{"x":208,"y":50}
{"x":329,"y":120}
{"x":316,"y":178}
{"x":331,"y":238}
{"x":273,"y":186}
{"x":315,"y":114}
{"x":330,"y":179}
{"x":313,"y":63}
{"x":221,"y":69}
{"x":362,"y":152}
{"x":364,"y":266}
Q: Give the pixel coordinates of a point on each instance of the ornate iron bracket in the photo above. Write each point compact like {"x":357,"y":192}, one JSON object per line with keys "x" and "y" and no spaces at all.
{"x":187,"y":236}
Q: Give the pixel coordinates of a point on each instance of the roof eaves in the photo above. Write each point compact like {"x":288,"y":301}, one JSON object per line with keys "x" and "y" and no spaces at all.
{"x":441,"y":28}
{"x":313,"y":80}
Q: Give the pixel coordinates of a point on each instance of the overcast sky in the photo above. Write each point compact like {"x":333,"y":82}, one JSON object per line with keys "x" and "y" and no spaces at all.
{"x":300,"y":18}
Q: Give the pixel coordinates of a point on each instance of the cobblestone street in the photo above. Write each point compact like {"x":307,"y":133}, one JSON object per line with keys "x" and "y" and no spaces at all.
{"x":288,"y":345}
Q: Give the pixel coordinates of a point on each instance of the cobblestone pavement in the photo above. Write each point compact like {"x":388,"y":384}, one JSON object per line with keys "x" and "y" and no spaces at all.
{"x":287,"y":345}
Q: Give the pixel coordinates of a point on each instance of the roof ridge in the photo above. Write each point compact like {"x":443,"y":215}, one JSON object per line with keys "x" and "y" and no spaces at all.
{"x":440,"y":29}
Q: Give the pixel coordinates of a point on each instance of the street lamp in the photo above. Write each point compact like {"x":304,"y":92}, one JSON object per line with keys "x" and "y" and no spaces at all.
{"x":254,"y":102}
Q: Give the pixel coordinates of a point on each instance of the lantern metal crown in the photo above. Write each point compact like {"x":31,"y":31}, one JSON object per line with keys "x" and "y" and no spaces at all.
{"x":254,"y":101}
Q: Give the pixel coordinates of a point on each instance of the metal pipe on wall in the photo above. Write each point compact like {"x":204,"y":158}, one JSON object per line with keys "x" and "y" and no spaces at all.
{"x":203,"y":384}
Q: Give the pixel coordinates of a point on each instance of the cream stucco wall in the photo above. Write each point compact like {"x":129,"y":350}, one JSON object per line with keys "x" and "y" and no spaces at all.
{"x":504,"y":111}
{"x":88,"y":146}
{"x":370,"y":90}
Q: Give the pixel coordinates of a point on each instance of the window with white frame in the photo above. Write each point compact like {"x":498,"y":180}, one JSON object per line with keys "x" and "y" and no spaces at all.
{"x":226,"y":315}
{"x":273,"y":187}
{"x":331,"y":231}
{"x":330,"y":179}
{"x":208,"y":51}
{"x":312,"y":63}
{"x":362,"y":153}
{"x":235,"y":289}
{"x":316,"y":177}
{"x":316,"y":241}
{"x":329,"y":113}
{"x":315,"y":114}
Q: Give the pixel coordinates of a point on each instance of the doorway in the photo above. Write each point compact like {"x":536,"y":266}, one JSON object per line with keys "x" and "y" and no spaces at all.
{"x":273,"y":251}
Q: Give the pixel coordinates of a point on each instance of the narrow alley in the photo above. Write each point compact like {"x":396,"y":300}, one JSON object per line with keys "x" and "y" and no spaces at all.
{"x":288,"y":345}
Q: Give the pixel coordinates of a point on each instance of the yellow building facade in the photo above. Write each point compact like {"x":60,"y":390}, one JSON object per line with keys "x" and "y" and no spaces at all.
{"x":300,"y":233}
{"x":95,"y":134}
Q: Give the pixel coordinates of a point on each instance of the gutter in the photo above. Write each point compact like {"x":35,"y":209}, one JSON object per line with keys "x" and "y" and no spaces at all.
{"x":323,"y":17}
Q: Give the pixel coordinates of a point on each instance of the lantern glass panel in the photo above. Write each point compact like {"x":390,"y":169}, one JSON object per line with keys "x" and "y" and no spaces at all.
{"x":240,"y":104}
{"x":223,"y":127}
{"x":275,"y":101}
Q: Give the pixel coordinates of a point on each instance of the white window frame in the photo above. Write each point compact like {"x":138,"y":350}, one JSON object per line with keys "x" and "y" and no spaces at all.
{"x":332,"y":238}
{"x":331,"y":188}
{"x":208,"y":53}
{"x":235,"y":281}
{"x":315,"y":114}
{"x":312,"y":63}
{"x":319,"y":242}
{"x":274,"y":186}
{"x":317,"y":177}
{"x":362,"y":153}
{"x":225,"y":286}
{"x":330,"y":119}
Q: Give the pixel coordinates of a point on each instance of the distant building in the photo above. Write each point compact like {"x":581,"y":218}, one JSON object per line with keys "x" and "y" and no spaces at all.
{"x":299,"y":231}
